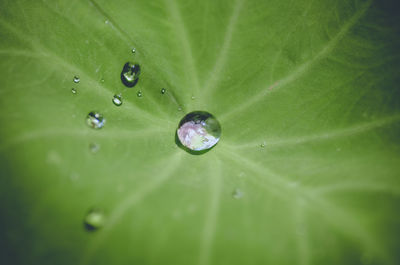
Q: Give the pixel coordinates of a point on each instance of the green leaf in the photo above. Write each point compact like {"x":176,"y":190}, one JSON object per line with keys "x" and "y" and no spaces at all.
{"x":307,"y":168}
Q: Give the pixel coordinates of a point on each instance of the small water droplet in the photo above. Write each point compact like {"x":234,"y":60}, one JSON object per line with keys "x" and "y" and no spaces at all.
{"x":237,"y":194}
{"x":94,"y":148}
{"x":94,"y":219}
{"x":102,"y":80}
{"x":199,"y":130}
{"x":163,"y":90}
{"x":95,"y":120}
{"x":139,"y":94}
{"x":106,"y":21}
{"x":130,"y":74}
{"x":262,"y":145}
{"x":133,"y":50}
{"x":117,"y":100}
{"x":76,"y":79}
{"x":179,"y":109}
{"x":193,"y":97}
{"x":74,"y":91}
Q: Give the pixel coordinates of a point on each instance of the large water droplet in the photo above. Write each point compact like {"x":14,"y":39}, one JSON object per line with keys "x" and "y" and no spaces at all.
{"x":199,"y":130}
{"x":74,"y":91}
{"x":76,"y":79}
{"x":95,"y":120}
{"x":139,"y":94}
{"x":117,"y":100}
{"x":94,"y":219}
{"x":163,"y":90}
{"x":130,"y":74}
{"x":237,"y":194}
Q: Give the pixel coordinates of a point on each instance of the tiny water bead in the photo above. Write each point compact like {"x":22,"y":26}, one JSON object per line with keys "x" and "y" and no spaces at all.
{"x":139,"y":94}
{"x":163,"y":90}
{"x":133,"y":50}
{"x":94,"y":148}
{"x":76,"y":79}
{"x":94,"y":219}
{"x":74,"y":91}
{"x":199,"y":130}
{"x":237,"y":194}
{"x":130,"y":74}
{"x":117,"y":100}
{"x":262,"y":145}
{"x":95,"y":120}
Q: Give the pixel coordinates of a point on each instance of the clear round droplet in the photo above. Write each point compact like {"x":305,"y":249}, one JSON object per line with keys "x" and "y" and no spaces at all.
{"x":133,"y":50}
{"x":74,"y":91}
{"x":139,"y":94}
{"x":94,"y":148}
{"x":95,"y":120}
{"x":117,"y":100}
{"x":130,"y":74}
{"x":237,"y":194}
{"x":76,"y":79}
{"x":94,"y":219}
{"x":199,"y":130}
{"x":163,"y":90}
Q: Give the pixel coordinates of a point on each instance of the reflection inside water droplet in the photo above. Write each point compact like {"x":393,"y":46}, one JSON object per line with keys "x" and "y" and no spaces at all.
{"x":117,"y":100}
{"x":95,"y":120}
{"x":76,"y":79}
{"x":199,"y":130}
{"x":130,"y":74}
{"x":94,"y":219}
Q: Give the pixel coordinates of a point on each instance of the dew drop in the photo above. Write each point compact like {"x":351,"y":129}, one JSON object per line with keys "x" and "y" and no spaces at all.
{"x":237,"y":194}
{"x":74,"y":91}
{"x":95,"y":120}
{"x":163,"y":90}
{"x":193,"y":97}
{"x":102,"y":80}
{"x":139,"y":94}
{"x":130,"y":74}
{"x":106,"y":21}
{"x":76,"y":79}
{"x":262,"y":145}
{"x":94,"y":148}
{"x":133,"y":50}
{"x":117,"y":100}
{"x":179,"y":109}
{"x":198,"y":131}
{"x":94,"y":219}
